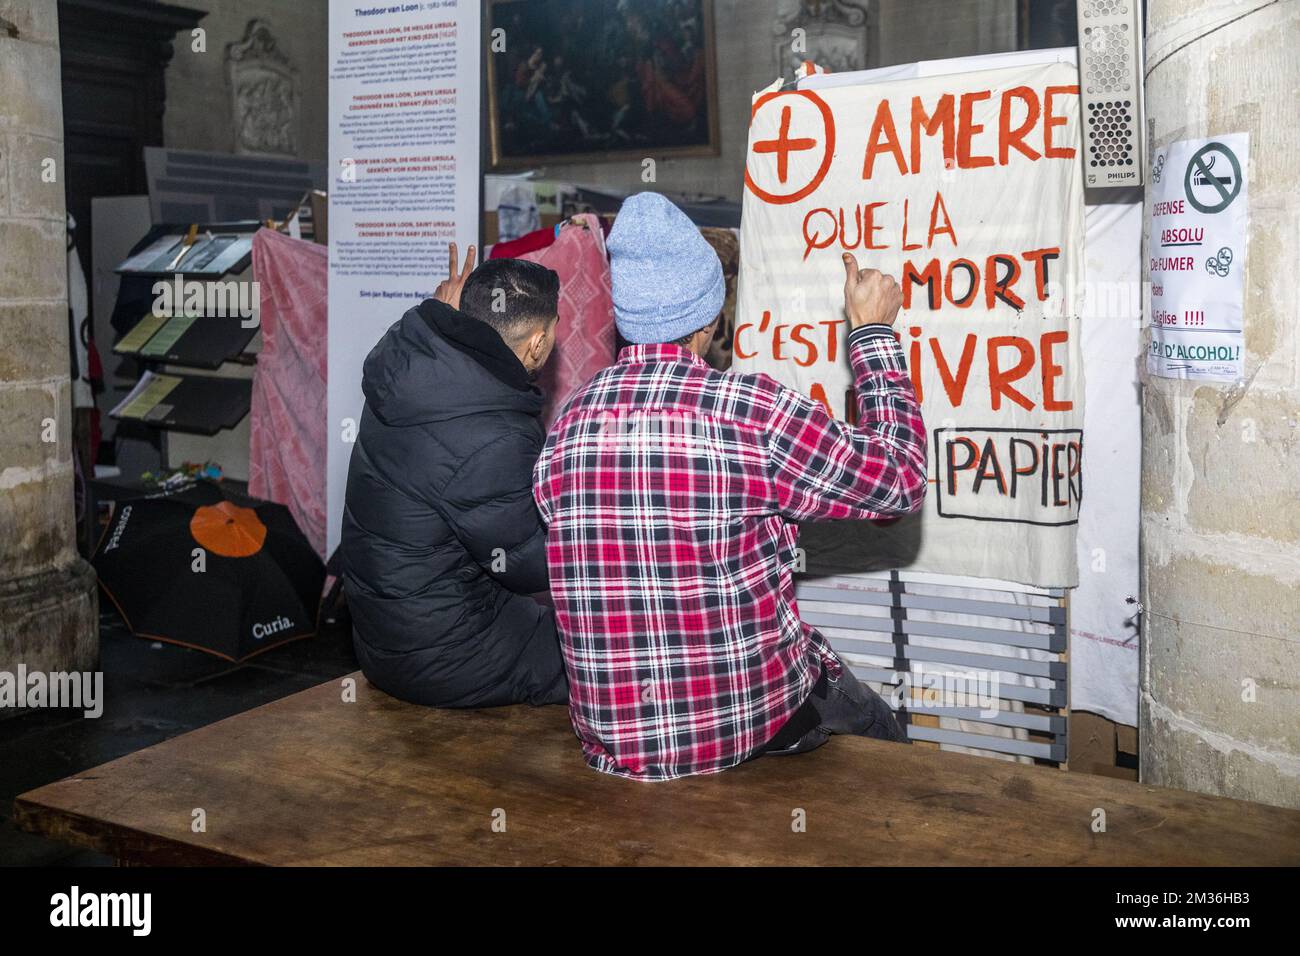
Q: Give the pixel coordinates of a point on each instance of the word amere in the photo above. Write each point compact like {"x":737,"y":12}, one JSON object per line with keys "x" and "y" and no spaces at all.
{"x":952,"y":117}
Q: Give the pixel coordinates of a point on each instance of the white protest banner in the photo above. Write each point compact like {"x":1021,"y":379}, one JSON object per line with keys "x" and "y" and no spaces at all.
{"x":1196,"y":247}
{"x":968,"y":189}
{"x":404,"y":149}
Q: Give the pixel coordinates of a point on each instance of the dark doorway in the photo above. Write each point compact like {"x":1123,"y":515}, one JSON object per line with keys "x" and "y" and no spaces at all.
{"x":114,"y":54}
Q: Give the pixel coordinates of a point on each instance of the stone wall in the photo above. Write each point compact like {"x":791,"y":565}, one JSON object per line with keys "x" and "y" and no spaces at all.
{"x":199,"y":113}
{"x":199,"y":97}
{"x":48,"y":607}
{"x":1221,"y":464}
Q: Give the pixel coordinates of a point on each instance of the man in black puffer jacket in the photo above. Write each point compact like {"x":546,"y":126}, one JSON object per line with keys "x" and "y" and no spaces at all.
{"x":442,"y":544}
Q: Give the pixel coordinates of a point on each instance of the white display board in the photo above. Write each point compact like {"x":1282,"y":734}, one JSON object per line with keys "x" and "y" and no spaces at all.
{"x":404,"y":182}
{"x":1103,"y":608}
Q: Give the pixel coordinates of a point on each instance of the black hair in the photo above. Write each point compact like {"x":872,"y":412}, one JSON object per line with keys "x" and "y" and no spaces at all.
{"x":685,"y":340}
{"x":511,"y":295}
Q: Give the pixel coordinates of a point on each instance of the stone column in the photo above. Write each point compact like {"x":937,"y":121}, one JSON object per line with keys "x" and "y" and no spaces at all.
{"x":48,"y":600}
{"x":1220,"y":704}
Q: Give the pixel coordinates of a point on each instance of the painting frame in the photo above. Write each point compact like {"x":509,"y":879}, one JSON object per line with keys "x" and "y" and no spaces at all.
{"x":498,"y":160}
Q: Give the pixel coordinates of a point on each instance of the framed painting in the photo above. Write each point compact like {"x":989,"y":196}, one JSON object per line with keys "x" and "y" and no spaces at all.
{"x":591,"y":80}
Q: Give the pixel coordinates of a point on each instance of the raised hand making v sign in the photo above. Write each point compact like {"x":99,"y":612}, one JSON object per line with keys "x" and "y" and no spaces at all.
{"x":448,"y":290}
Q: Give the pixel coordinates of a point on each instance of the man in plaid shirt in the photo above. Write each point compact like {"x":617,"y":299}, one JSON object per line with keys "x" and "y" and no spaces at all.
{"x":671,"y":492}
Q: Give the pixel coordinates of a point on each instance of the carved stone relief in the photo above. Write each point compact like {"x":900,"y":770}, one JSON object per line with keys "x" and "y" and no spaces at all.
{"x":264,"y":94}
{"x":836,"y":33}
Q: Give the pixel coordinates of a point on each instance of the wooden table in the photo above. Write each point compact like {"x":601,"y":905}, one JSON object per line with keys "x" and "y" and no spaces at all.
{"x":312,"y":779}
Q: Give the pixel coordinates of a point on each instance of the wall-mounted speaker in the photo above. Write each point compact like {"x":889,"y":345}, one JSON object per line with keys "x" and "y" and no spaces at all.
{"x":1110,"y":92}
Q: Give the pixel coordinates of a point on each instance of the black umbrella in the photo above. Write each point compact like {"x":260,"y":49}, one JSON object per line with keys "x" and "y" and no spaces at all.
{"x":212,"y":570}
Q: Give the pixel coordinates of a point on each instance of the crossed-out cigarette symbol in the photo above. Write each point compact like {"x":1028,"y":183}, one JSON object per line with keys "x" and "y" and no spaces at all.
{"x":1220,"y":264}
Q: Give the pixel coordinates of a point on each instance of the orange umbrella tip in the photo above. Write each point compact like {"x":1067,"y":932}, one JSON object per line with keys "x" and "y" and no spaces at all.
{"x":228,"y":529}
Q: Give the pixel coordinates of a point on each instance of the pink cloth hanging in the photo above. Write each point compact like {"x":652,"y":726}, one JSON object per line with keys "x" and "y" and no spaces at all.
{"x":287,"y":448}
{"x":585,"y":338}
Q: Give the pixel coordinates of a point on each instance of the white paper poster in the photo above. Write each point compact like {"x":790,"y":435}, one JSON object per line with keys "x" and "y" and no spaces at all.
{"x":968,"y":189}
{"x":404,"y":157}
{"x":1103,"y":608}
{"x":1196,"y":247}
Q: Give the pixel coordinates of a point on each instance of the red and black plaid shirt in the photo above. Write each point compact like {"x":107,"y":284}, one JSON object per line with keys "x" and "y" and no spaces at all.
{"x":671,"y":490}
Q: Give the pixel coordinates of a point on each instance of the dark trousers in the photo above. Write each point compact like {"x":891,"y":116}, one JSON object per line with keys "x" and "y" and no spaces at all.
{"x":848,"y":707}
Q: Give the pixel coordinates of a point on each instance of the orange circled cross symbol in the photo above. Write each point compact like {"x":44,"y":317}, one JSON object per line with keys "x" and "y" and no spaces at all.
{"x":783,"y":145}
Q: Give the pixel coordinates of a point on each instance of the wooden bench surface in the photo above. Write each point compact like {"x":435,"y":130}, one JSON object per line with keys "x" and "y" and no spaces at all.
{"x":313,"y":780}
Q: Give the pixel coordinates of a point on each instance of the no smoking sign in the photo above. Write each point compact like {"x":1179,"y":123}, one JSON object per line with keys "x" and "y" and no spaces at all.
{"x":1213,"y":178}
{"x":1197,"y":244}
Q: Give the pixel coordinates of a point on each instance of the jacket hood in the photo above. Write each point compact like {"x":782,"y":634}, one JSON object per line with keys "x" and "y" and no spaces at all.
{"x":437,"y":364}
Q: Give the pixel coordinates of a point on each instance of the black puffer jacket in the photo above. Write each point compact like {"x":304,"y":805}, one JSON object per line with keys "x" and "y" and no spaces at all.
{"x":441,"y":540}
